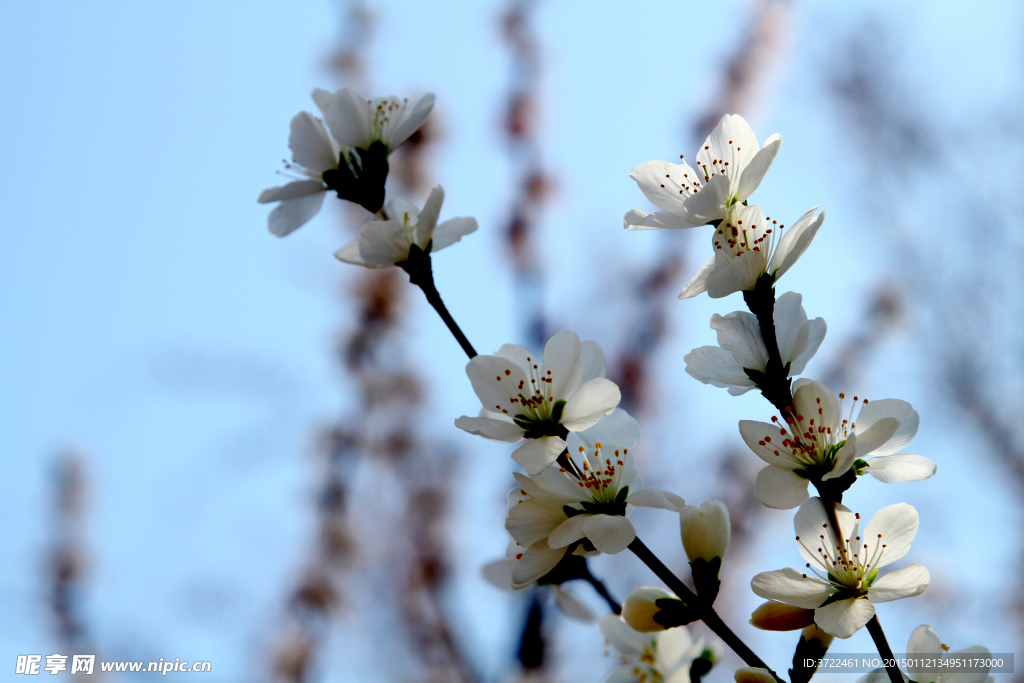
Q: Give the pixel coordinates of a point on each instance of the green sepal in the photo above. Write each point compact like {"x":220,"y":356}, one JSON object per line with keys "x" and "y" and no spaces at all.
{"x":360,"y":176}
{"x":757,"y":377}
{"x":705,"y":578}
{"x":673,"y":612}
{"x":859,"y":465}
{"x":622,"y":495}
{"x":571,"y":511}
{"x":556,"y":410}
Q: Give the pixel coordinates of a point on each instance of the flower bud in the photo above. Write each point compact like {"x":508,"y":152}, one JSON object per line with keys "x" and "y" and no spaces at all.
{"x":639,"y":609}
{"x":751,"y":674}
{"x":778,"y":616}
{"x":705,"y":530}
{"x":813,"y":633}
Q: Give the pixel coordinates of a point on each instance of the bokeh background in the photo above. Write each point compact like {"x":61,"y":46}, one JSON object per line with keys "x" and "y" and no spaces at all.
{"x":223,"y":446}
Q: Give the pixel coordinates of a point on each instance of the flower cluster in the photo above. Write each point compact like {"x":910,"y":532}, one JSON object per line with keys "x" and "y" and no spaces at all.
{"x":577,"y":447}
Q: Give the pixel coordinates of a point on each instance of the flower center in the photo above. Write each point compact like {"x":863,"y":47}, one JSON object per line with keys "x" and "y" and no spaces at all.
{"x":846,"y":564}
{"x":599,"y":475}
{"x":387,"y":114}
{"x":811,"y":448}
{"x":735,"y":237}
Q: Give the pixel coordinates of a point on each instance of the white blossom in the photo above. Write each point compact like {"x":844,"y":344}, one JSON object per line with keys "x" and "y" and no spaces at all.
{"x":747,"y":245}
{"x":313,"y":152}
{"x":730,"y":166}
{"x":924,"y":645}
{"x":663,"y":657}
{"x":639,"y":608}
{"x":706,"y":530}
{"x":842,"y":584}
{"x":741,"y":347}
{"x":821,"y":444}
{"x":753,"y":674}
{"x":525,"y":397}
{"x":386,"y":241}
{"x":357,"y":122}
{"x":584,"y":504}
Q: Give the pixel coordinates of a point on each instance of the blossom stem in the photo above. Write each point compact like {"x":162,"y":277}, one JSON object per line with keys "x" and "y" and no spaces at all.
{"x":705,"y":611}
{"x":421,"y":274}
{"x":878,"y":635}
{"x":776,"y":385}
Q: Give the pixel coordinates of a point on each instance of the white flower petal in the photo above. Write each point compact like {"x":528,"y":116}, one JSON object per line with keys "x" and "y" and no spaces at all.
{"x":348,"y":118}
{"x":660,"y":182}
{"x":845,"y":458}
{"x":956,"y":674}
{"x":496,"y":381}
{"x":706,"y":530}
{"x":716,"y":366}
{"x":323,"y":99}
{"x":562,"y":360}
{"x":639,"y":608}
{"x":903,"y":583}
{"x":880,"y":432}
{"x":810,"y":526}
{"x":780,"y":489}
{"x":310,"y":144}
{"x":791,"y":587}
{"x":427,"y":219}
{"x":499,"y":574}
{"x":795,"y":242}
{"x":740,"y":275}
{"x":759,"y":436}
{"x":812,"y":399}
{"x":292,"y":214}
{"x":895,"y":408}
{"x":499,"y":430}
{"x":922,"y":643}
{"x":816,"y":334}
{"x":519,"y":355}
{"x":531,"y":521}
{"x":536,"y":454}
{"x":383,"y":243}
{"x":740,"y":333}
{"x":451,"y":231}
{"x":571,"y":607}
{"x":635,"y":219}
{"x":751,"y":674}
{"x":894,"y":527}
{"x":610,"y":534}
{"x":621,"y":636}
{"x":569,"y":531}
{"x":411,"y":121}
{"x":843,"y":618}
{"x":350,"y":254}
{"x":536,"y":561}
{"x":758,"y":166}
{"x":699,"y":282}
{"x":731,"y":140}
{"x":791,"y":327}
{"x":295,"y":190}
{"x":592,"y":401}
{"x":708,"y":204}
{"x":656,"y":498}
{"x":901,"y":467}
